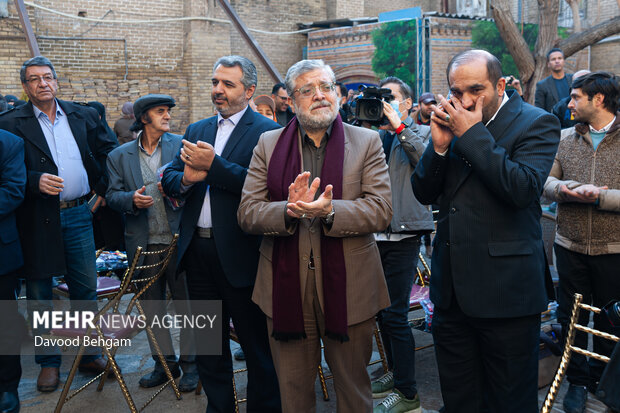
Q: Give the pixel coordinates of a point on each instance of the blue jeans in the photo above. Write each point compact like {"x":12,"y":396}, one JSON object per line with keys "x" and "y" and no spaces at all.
{"x":399,"y":260}
{"x":81,"y":278}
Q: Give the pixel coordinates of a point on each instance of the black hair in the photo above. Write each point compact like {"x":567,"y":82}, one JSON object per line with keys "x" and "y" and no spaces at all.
{"x":555,"y":49}
{"x":277,"y":87}
{"x":405,"y":89}
{"x":605,"y":83}
{"x":494,"y":67}
{"x":343,"y":89}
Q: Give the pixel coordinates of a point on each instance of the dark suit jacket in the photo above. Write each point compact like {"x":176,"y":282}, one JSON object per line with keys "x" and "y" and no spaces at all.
{"x":488,"y":250}
{"x":38,"y":219}
{"x":12,"y":189}
{"x":237,"y":251}
{"x":125,"y":177}
{"x":546,"y":95}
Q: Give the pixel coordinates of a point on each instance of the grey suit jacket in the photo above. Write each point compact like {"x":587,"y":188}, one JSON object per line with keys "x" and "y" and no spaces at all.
{"x":125,"y":177}
{"x":365,"y":208}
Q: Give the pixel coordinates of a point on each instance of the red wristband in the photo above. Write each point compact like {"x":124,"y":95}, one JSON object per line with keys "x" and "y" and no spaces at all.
{"x":400,"y":128}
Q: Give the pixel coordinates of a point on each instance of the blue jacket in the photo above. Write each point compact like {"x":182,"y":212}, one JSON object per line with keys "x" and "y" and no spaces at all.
{"x":12,"y":190}
{"x":237,"y":251}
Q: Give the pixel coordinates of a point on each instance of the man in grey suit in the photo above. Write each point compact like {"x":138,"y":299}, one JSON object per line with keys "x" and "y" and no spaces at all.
{"x":135,"y":190}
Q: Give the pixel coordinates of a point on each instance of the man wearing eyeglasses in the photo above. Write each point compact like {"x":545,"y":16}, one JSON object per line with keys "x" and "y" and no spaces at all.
{"x":283,"y":110}
{"x":65,"y":153}
{"x":317,"y":190}
{"x":219,"y":259}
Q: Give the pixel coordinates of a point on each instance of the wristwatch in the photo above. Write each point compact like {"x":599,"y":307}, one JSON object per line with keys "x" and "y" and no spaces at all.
{"x":329,"y":218}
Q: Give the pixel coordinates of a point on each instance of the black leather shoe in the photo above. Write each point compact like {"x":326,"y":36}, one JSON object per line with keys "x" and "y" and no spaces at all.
{"x":9,"y":402}
{"x":188,"y":382}
{"x":158,"y":377}
{"x":575,"y":399}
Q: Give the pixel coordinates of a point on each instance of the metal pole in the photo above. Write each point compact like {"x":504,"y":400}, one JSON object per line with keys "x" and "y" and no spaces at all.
{"x":243,"y":30}
{"x":28,"y":32}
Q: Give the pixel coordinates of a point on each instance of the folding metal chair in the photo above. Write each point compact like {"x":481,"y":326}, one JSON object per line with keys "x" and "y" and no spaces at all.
{"x":130,"y":329}
{"x":569,"y":348}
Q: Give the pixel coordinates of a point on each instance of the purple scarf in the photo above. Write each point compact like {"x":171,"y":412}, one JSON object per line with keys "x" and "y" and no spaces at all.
{"x":284,"y":166}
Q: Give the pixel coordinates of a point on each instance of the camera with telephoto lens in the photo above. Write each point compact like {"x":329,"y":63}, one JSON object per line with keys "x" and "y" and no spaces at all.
{"x":369,"y":106}
{"x":612,"y":310}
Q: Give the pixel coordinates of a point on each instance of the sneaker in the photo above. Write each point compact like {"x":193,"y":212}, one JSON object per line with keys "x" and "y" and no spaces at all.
{"x":397,"y":403}
{"x":575,"y":399}
{"x":383,"y":386}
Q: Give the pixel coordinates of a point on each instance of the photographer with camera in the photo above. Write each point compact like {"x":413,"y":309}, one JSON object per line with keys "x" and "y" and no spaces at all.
{"x":585,"y":181}
{"x":514,"y":83}
{"x":404,"y":143}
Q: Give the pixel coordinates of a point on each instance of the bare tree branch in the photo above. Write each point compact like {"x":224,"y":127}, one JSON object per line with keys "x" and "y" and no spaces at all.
{"x":578,"y":41}
{"x":513,"y":39}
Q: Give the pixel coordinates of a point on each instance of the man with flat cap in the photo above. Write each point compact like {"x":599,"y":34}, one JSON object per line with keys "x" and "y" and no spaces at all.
{"x":422,"y":115}
{"x":150,"y":221}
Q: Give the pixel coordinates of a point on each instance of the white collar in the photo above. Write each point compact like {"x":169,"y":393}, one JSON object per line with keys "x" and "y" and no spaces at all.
{"x":504,"y":100}
{"x":234,"y":119}
{"x":605,"y":128}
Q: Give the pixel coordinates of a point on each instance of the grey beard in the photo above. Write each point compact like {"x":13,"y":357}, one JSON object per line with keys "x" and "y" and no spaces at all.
{"x":311,"y":124}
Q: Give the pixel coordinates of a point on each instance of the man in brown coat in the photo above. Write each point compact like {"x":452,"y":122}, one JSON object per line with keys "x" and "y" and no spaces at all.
{"x":319,"y":275}
{"x":585,"y":181}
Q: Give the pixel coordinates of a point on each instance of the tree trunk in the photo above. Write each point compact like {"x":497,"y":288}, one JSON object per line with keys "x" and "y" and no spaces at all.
{"x":578,"y":41}
{"x":513,"y":39}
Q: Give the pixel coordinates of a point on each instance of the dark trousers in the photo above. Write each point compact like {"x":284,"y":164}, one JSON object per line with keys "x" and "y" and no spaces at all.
{"x":11,"y":331}
{"x":486,"y":364}
{"x":206,"y":281}
{"x":399,"y":260}
{"x":154,"y":304}
{"x":596,"y":278}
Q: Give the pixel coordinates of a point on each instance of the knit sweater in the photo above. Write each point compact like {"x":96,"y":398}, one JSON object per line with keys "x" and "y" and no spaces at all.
{"x":588,"y":228}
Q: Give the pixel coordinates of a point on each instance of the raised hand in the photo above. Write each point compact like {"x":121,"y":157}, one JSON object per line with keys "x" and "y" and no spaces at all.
{"x":140,"y":200}
{"x":198,"y":155}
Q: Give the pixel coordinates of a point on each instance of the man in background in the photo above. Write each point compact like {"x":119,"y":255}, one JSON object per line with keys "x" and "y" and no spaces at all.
{"x":123,"y":124}
{"x":404,"y":143}
{"x":561,"y":109}
{"x":422,"y":115}
{"x":555,"y":86}
{"x":283,"y":110}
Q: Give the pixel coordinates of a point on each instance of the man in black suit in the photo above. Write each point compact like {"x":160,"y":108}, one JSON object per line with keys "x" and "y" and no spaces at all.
{"x":220,"y":260}
{"x":12,"y":189}
{"x":65,"y":153}
{"x":556,"y":86}
{"x":486,"y":166}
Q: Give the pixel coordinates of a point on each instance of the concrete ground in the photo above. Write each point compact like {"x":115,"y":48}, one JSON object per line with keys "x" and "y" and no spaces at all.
{"x":134,"y":367}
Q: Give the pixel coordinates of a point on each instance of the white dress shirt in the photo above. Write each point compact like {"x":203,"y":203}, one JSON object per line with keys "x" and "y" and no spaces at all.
{"x":65,"y":152}
{"x":225,"y":128}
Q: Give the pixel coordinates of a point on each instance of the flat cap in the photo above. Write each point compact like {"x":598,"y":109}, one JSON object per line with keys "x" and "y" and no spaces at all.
{"x":265,"y":100}
{"x":141,"y":105}
{"x":427,"y":98}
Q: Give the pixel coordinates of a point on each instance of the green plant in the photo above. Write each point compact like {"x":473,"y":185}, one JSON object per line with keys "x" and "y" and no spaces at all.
{"x":484,"y":35}
{"x":395,"y":50}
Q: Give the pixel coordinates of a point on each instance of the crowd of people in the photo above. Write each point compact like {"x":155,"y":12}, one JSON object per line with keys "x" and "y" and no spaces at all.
{"x":307,"y":228}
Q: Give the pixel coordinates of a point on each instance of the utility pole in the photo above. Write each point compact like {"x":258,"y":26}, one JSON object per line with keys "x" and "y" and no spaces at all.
{"x":28,"y":32}
{"x":245,"y":33}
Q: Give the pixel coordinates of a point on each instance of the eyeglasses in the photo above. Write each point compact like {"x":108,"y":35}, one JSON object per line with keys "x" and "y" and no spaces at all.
{"x":37,"y":80}
{"x":310,"y":90}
